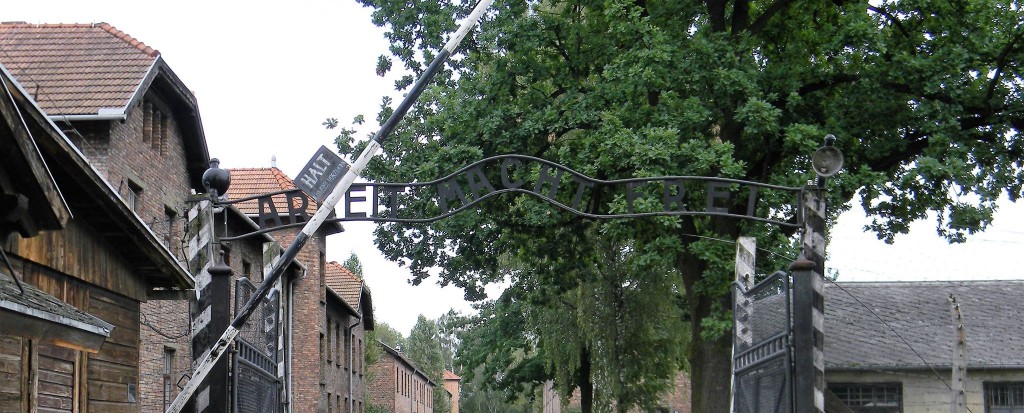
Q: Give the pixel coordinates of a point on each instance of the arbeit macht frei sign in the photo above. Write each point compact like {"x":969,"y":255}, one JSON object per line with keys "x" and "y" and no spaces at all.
{"x":554,"y":183}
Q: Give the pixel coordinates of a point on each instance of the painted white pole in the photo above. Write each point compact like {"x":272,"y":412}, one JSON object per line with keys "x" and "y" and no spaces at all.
{"x":211,"y":356}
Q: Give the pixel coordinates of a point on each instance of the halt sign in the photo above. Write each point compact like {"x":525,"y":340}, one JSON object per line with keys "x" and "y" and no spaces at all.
{"x":321,"y":174}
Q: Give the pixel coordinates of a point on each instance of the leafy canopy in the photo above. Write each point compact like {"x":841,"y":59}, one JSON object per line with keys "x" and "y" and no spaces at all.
{"x":925,"y":97}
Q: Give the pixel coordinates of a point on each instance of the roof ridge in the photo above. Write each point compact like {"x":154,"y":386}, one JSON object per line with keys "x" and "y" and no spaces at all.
{"x":128,"y":39}
{"x":107,"y":27}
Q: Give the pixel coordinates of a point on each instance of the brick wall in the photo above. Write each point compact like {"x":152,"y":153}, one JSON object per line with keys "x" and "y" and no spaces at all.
{"x":126,"y":160}
{"x":309,"y":325}
{"x":383,"y":381}
{"x":394,"y":384}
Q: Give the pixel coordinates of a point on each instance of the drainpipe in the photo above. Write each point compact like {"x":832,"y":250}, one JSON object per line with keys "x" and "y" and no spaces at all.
{"x":351,"y":367}
{"x":291,"y":323}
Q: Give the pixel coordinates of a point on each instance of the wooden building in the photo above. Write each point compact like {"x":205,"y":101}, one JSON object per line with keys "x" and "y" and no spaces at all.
{"x":69,"y":337}
{"x":137,"y":128}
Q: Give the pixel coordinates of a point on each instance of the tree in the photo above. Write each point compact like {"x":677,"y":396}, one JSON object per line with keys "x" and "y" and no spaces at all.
{"x":923,"y":95}
{"x":353,"y":264}
{"x":384,"y":333}
{"x":424,"y":349}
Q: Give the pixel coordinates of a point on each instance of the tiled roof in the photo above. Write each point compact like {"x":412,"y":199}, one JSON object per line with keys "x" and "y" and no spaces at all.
{"x":348,"y":285}
{"x":247,"y":182}
{"x":448,"y":375}
{"x":920,"y":312}
{"x":76,"y":69}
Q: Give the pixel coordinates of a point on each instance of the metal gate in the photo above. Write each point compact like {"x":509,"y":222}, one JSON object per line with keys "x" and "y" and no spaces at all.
{"x":256,"y":388}
{"x":761,"y":347}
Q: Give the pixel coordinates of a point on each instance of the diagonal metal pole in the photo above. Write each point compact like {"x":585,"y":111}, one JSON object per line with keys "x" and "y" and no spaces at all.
{"x":211,"y":356}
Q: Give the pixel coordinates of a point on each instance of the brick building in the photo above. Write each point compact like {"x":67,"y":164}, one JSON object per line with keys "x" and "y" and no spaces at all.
{"x":71,"y":335}
{"x":307,"y":296}
{"x":398,"y":385}
{"x":451,"y":385}
{"x":138,"y":125}
{"x":349,"y":316}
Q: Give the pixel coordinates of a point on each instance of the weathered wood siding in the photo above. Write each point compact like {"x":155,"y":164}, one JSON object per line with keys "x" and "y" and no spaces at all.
{"x":11,"y":374}
{"x":65,"y":379}
{"x":79,"y":251}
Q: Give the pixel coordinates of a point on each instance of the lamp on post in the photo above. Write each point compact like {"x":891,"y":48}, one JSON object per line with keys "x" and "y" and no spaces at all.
{"x":216,"y":180}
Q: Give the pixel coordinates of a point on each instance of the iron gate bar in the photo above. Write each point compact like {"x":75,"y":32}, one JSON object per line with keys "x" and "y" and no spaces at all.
{"x":779,"y":345}
{"x":762,"y":371}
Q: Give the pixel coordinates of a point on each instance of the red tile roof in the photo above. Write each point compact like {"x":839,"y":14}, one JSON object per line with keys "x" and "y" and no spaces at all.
{"x":448,"y":375}
{"x":76,"y":69}
{"x":348,"y":285}
{"x":247,"y":182}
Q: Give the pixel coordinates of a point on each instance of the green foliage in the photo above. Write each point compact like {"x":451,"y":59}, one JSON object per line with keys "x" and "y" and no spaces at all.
{"x":352,"y":264}
{"x":383,"y":333}
{"x":924,"y":97}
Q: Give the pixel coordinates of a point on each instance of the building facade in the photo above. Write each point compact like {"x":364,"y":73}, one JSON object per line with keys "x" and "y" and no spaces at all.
{"x":399,"y":386}
{"x":349,"y":316}
{"x":71,"y":331}
{"x":889,"y":346}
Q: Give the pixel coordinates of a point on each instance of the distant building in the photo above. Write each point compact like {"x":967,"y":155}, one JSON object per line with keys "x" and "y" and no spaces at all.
{"x":905,"y":364}
{"x":306,"y":297}
{"x":349,"y":316}
{"x":451,"y":384}
{"x":398,"y":385}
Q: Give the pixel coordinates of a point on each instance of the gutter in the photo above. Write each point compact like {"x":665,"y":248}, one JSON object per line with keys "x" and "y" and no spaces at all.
{"x":74,"y":118}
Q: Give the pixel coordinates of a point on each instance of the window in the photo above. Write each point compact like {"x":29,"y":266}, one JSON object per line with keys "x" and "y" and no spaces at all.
{"x":155,"y":126}
{"x":1007,"y":397}
{"x":330,"y":406}
{"x":247,"y":269}
{"x":169,"y":215}
{"x":330,"y":336}
{"x":168,"y":373}
{"x":870,"y":397}
{"x":134,"y":196}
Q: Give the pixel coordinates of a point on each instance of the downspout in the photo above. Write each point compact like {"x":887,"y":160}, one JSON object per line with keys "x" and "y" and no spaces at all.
{"x":351,"y":371}
{"x":291,"y":323}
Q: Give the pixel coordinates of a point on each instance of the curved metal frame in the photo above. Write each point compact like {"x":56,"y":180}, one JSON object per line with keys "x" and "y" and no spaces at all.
{"x":581,"y":177}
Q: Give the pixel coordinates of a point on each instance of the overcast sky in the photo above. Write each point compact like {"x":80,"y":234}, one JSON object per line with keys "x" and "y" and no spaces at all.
{"x":267,"y":74}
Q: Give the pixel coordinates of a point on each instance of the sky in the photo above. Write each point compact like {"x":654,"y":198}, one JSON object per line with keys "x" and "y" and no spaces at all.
{"x":267,"y":74}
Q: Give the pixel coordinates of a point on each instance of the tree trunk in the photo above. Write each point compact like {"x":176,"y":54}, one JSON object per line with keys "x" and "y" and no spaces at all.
{"x":586,"y":384}
{"x":709,"y":362}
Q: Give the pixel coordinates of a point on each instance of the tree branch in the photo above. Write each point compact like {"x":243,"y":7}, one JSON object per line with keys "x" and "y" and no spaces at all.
{"x":1000,"y":63}
{"x":775,"y":8}
{"x":915,"y":147}
{"x":741,"y":15}
{"x":716,"y":12}
{"x":895,"y":21}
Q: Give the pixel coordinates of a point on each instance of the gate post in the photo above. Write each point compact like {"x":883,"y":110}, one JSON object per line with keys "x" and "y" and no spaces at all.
{"x":809,"y":308}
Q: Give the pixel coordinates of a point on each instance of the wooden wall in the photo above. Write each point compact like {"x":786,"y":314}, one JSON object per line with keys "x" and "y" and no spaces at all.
{"x":59,"y":379}
{"x":80,"y":252}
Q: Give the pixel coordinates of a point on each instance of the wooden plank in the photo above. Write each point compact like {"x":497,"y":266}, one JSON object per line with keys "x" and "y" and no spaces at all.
{"x":82,"y":253}
{"x":108,"y":392}
{"x":112,"y":407}
{"x":100,"y":370}
{"x":118,"y":354}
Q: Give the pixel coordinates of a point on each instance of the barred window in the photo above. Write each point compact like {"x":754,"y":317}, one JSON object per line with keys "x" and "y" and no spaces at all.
{"x":870,"y":397}
{"x":1005,"y":397}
